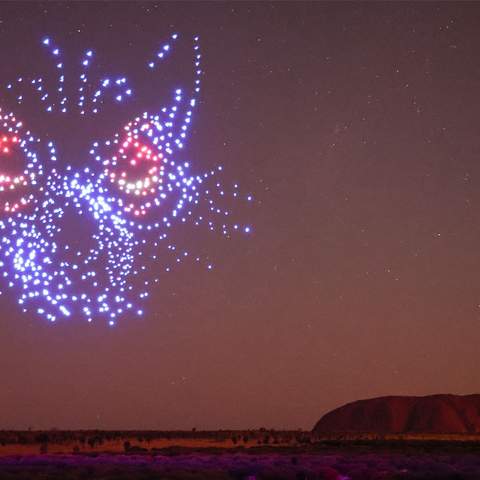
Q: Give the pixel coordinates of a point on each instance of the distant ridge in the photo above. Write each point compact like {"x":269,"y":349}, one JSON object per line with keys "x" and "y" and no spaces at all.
{"x":405,"y":414}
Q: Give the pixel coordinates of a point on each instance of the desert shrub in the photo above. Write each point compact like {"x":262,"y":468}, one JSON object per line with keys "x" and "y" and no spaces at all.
{"x":41,"y":438}
{"x":136,"y":449}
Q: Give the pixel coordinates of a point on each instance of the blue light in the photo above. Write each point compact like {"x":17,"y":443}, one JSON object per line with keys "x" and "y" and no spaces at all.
{"x":132,"y":193}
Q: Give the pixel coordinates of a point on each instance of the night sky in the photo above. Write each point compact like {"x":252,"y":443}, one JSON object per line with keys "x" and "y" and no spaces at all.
{"x":355,"y":127}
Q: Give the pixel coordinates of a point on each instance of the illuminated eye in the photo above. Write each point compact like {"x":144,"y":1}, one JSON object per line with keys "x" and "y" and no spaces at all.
{"x":137,"y":167}
{"x":19,"y":167}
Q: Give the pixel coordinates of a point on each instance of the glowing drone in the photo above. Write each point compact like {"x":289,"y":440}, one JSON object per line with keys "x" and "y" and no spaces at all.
{"x":130,"y":194}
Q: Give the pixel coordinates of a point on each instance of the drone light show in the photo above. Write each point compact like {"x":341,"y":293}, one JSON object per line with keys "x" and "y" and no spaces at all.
{"x":127,"y":197}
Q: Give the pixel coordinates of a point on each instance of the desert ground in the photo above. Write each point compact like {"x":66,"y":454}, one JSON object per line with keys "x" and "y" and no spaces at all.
{"x":240,"y":455}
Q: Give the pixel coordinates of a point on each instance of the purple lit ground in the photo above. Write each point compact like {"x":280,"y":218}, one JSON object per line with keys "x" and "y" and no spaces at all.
{"x":244,"y":466}
{"x":246,"y":455}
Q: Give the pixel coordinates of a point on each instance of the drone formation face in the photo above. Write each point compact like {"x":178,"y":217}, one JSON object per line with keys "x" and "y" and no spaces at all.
{"x":126,"y":201}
